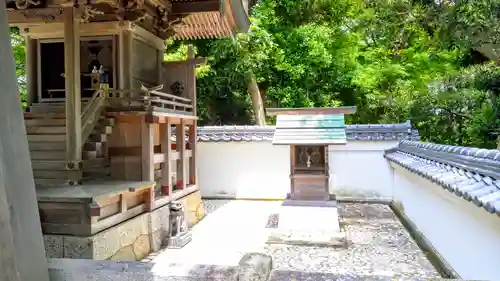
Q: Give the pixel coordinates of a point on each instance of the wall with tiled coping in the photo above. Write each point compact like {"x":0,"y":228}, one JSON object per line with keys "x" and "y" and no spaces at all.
{"x":451,"y":194}
{"x":242,"y":162}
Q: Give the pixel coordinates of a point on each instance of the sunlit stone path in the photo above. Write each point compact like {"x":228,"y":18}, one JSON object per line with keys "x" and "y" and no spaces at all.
{"x":378,"y":245}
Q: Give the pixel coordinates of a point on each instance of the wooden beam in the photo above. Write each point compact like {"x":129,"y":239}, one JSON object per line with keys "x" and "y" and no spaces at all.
{"x":147,"y":145}
{"x":180,"y":141}
{"x":311,"y":111}
{"x":166,"y":167}
{"x":38,"y":15}
{"x":182,"y":8}
{"x":72,"y":86}
{"x":193,"y":130}
{"x":22,"y":254}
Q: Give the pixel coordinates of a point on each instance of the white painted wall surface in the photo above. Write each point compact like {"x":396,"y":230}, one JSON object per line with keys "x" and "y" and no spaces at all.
{"x":466,"y":236}
{"x":256,"y":170}
{"x":359,"y":169}
{"x":260,"y":170}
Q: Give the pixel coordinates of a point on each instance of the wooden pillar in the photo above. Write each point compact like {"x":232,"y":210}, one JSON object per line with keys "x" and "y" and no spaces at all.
{"x":193,"y":129}
{"x":180,"y":143}
{"x":147,"y":151}
{"x":73,"y":94}
{"x":31,"y":70}
{"x":125,"y":59}
{"x":22,"y":252}
{"x":166,"y":149}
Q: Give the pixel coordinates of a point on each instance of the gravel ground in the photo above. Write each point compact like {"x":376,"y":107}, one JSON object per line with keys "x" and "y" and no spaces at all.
{"x":378,"y":244}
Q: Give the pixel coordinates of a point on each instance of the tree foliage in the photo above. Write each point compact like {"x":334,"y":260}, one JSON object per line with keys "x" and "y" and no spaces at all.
{"x":421,"y":60}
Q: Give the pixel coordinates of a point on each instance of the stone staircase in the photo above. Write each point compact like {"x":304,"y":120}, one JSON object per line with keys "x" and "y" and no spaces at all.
{"x":46,"y":132}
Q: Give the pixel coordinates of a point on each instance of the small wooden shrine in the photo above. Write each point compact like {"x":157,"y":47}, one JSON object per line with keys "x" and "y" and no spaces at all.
{"x":309,"y":132}
{"x":112,"y":127}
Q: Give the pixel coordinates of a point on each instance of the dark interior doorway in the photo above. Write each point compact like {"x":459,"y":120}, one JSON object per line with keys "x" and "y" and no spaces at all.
{"x":93,"y":52}
{"x":51,"y":68}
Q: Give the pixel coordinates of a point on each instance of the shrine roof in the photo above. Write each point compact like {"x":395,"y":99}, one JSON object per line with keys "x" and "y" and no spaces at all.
{"x":358,"y":132}
{"x":470,"y":173}
{"x":173,"y":19}
{"x":310,"y":129}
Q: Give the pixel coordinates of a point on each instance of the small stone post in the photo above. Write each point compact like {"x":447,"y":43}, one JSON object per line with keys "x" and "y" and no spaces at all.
{"x":22,"y":252}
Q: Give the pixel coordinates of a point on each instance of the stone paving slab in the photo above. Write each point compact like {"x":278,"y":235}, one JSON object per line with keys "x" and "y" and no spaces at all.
{"x":378,"y":244}
{"x":307,"y":238}
{"x":283,"y":275}
{"x":310,"y":217}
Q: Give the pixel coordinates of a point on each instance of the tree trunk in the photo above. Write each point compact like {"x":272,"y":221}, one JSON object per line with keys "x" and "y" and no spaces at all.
{"x":498,"y":142}
{"x":258,"y":107}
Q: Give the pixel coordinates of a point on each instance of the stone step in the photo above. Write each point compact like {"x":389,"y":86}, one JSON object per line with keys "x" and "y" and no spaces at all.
{"x":47,"y":146}
{"x":49,"y":165}
{"x":52,"y":182}
{"x":37,"y":115}
{"x":45,"y":130}
{"x":48,"y":155}
{"x":59,"y":107}
{"x":45,"y":122}
{"x":47,"y":138}
{"x":69,"y":175}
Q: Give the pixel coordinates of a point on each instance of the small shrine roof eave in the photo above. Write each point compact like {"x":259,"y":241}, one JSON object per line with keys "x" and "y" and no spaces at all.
{"x":311,"y":111}
{"x":310,"y":129}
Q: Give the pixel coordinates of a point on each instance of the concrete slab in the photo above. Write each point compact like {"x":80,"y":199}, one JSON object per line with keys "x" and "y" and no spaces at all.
{"x":309,"y":215}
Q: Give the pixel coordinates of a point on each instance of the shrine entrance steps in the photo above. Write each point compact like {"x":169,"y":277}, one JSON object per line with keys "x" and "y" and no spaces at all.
{"x":46,"y":133}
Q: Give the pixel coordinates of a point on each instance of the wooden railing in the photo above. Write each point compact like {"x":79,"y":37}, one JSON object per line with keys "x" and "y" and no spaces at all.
{"x":149,"y":98}
{"x":91,"y":113}
{"x":153,"y":97}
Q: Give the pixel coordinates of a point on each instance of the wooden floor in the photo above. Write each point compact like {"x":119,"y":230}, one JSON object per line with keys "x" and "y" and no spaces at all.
{"x":86,"y":209}
{"x":94,"y":190}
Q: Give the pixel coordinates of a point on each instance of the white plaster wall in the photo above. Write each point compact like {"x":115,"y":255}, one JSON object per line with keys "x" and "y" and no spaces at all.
{"x":359,"y":169}
{"x":466,"y":236}
{"x":256,"y":170}
{"x":260,"y":170}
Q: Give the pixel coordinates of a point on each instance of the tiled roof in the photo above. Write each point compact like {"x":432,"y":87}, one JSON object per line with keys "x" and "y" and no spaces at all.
{"x":471,"y":173}
{"x":310,"y":129}
{"x":380,"y":132}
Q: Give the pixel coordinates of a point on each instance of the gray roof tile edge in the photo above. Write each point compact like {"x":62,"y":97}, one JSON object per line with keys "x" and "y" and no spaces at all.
{"x":368,"y":132}
{"x":470,"y":173}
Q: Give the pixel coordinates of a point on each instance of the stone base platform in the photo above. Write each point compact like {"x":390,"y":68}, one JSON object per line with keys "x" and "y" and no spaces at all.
{"x":251,"y":267}
{"x":132,"y":239}
{"x":308,"y":223}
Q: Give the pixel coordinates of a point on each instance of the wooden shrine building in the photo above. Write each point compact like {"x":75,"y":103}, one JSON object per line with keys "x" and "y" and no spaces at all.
{"x":111,"y":127}
{"x":309,"y":132}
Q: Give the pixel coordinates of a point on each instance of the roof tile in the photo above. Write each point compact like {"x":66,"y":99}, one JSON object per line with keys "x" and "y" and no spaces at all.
{"x":471,"y":173}
{"x":364,"y":132}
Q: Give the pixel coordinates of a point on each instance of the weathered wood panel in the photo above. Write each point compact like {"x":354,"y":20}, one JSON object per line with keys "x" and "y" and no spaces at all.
{"x":310,"y":187}
{"x":85,"y":217}
{"x":145,"y":66}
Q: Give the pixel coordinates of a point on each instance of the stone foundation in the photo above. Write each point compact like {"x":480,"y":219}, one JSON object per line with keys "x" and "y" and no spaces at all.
{"x":133,"y":239}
